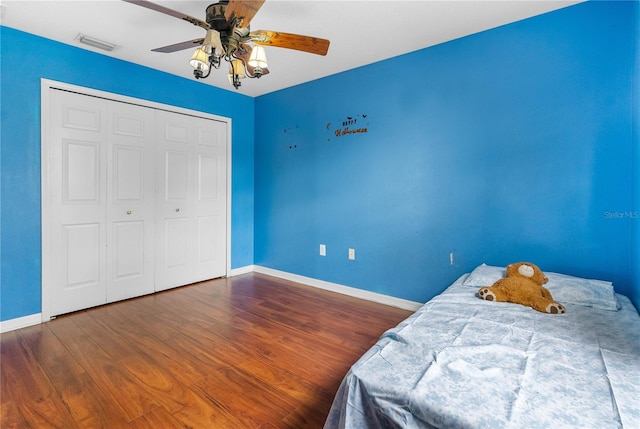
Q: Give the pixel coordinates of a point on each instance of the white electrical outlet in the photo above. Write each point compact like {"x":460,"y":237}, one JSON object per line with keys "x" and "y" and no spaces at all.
{"x":352,"y":254}
{"x":323,"y":250}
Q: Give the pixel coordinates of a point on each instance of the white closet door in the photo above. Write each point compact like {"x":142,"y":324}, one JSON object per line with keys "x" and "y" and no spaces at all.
{"x":76,"y":221}
{"x":102,"y":201}
{"x":211,"y":198}
{"x":134,"y":200}
{"x":191,"y":199}
{"x":131,"y":201}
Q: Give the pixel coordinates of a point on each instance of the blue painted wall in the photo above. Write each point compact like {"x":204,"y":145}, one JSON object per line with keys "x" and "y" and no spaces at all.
{"x":20,"y":281}
{"x":635,"y":293}
{"x":518,"y":143}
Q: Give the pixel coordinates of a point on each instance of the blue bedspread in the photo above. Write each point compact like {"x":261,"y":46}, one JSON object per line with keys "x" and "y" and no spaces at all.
{"x":462,"y":362}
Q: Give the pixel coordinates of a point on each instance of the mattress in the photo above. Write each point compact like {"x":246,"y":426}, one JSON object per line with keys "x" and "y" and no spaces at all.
{"x":462,"y":362}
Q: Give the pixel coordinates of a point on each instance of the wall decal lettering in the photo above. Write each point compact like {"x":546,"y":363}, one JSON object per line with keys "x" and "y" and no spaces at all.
{"x":347,"y":130}
{"x":357,"y":124}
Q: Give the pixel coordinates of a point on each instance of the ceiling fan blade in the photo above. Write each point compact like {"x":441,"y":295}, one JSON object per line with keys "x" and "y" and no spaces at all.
{"x":179,"y":46}
{"x":309,"y":44}
{"x":170,"y":12}
{"x":243,"y":10}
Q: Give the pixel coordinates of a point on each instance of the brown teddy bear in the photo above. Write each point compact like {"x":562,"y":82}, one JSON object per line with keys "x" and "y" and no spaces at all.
{"x":523,"y":285}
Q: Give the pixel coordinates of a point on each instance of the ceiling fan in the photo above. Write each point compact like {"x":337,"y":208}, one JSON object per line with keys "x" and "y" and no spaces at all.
{"x":228,"y":37}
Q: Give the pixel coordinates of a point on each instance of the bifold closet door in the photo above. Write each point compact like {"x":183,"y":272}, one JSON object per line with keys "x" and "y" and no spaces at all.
{"x":99,"y":223}
{"x":191,"y":199}
{"x":77,"y":202}
{"x":130,"y":201}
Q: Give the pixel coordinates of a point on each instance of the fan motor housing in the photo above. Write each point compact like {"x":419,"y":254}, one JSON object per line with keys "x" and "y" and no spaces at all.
{"x":215,"y":16}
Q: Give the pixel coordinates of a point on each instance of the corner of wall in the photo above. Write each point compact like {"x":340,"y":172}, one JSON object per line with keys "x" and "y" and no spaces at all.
{"x":635,"y":243}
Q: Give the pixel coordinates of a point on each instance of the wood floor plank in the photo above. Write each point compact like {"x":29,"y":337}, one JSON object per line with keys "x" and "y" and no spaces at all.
{"x":51,"y":353}
{"x":65,"y":327}
{"x":251,"y":351}
{"x":11,"y":417}
{"x":106,"y":334}
{"x":118,"y":385}
{"x":245,"y":398}
{"x":205,"y":411}
{"x":71,"y":382}
{"x":47,"y":413}
{"x":203,"y":346}
{"x":157,"y":381}
{"x":89,"y":405}
{"x":22,"y":376}
{"x":27,"y":384}
{"x":160,"y":350}
{"x":157,"y":418}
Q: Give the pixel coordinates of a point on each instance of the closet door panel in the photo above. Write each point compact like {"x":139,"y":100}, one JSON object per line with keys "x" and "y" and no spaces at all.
{"x":177,"y":244}
{"x":75,"y":197}
{"x":128,"y":174}
{"x":128,"y":249}
{"x":131,"y":195}
{"x":211,"y":198}
{"x":80,"y":172}
{"x":81,"y":257}
{"x":174,"y":200}
{"x":191,"y":205}
{"x":207,"y":248}
{"x":177,"y":177}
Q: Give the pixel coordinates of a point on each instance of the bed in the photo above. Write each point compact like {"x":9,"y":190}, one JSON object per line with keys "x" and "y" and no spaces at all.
{"x":462,"y":362}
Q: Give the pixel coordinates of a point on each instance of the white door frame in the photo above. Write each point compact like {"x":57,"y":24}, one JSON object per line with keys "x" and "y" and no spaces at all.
{"x":45,"y":86}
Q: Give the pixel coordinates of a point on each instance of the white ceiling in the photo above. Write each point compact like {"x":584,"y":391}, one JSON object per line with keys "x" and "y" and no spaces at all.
{"x":361,"y":31}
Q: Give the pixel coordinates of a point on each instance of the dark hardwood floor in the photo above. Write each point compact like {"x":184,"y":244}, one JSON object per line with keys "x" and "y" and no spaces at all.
{"x":251,"y":351}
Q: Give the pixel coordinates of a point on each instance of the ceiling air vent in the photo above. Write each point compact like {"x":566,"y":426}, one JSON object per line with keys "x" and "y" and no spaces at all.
{"x":96,"y":43}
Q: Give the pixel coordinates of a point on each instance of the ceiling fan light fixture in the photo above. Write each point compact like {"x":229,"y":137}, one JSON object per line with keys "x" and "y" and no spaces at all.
{"x":200,"y":60}
{"x":236,"y":72}
{"x":237,"y":68}
{"x":258,"y":58}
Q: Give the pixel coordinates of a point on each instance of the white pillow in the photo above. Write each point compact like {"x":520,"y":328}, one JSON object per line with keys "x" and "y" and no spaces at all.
{"x":564,"y":288}
{"x":485,"y":275}
{"x":576,"y":290}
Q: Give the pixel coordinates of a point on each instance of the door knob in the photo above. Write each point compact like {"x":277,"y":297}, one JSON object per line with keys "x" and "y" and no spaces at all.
{"x":128,"y":212}
{"x":177,"y":210}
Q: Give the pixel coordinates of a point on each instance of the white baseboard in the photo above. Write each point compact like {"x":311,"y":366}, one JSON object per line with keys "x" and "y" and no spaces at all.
{"x":34,"y":319}
{"x":20,"y":322}
{"x":242,"y":270}
{"x":345,"y":290}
